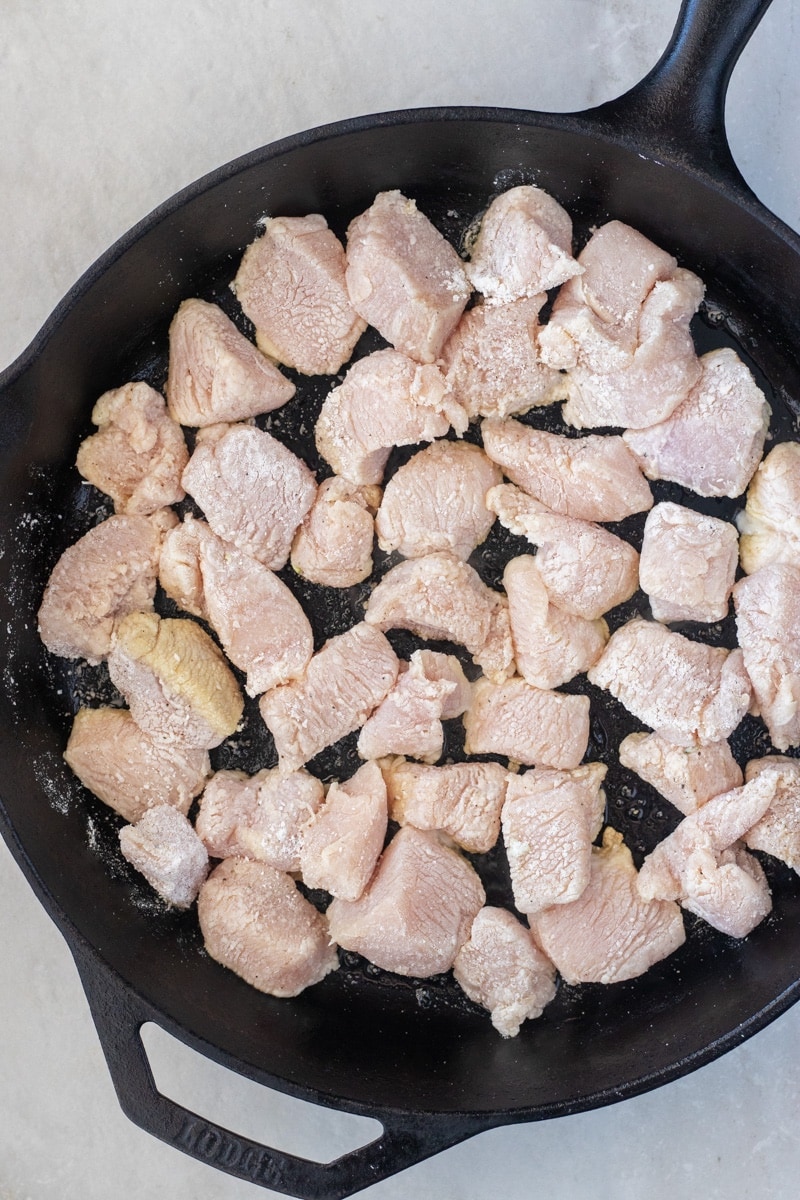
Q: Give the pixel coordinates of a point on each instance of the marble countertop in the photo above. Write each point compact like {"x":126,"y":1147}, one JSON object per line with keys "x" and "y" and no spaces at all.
{"x":105,"y":111}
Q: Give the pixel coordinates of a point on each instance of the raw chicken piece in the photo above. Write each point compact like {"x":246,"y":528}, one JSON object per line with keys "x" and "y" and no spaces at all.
{"x":333,"y":546}
{"x":109,"y":572}
{"x":253,"y":491}
{"x":550,"y":819}
{"x":259,"y":816}
{"x":179,"y":572}
{"x":609,"y":933}
{"x":688,"y":564}
{"x":343,"y":842}
{"x":524,"y":246}
{"x":593,"y":478}
{"x":128,"y":770}
{"x":685,"y":690}
{"x":344,"y":682}
{"x":215,"y":373}
{"x":436,"y":501}
{"x":138,"y":454}
{"x":385,"y":400}
{"x":175,"y":680}
{"x":768,"y":626}
{"x":500,"y":968}
{"x":291,"y":284}
{"x":550,"y":646}
{"x":526,"y":724}
{"x":713,"y":440}
{"x":491,"y":361}
{"x":416,"y":912}
{"x":770,"y":523}
{"x":409,"y":720}
{"x":255,"y":922}
{"x":462,"y":799}
{"x":439,"y":666}
{"x":730,"y":892}
{"x":586,"y":569}
{"x":403,"y":277}
{"x":164,"y":848}
{"x":778,"y":831}
{"x":687,"y":776}
{"x":440,"y":597}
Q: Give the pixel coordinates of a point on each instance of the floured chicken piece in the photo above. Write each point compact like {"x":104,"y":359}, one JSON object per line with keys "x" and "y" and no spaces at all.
{"x":262,"y":627}
{"x":409,"y":720}
{"x":500,"y":968}
{"x":593,"y":478}
{"x":688,"y":564}
{"x":344,"y":682}
{"x":256,"y":922}
{"x":404,"y":278}
{"x":770,"y":523}
{"x":138,"y":454}
{"x":550,"y":646}
{"x":343,"y":842}
{"x":441,"y":598}
{"x":768,"y":627}
{"x":291,"y":284}
{"x":609,"y":933}
{"x":384,"y":400}
{"x":215,"y":373}
{"x":164,"y":848}
{"x":333,"y":546}
{"x":586,"y":569}
{"x":436,"y":501}
{"x":524,"y":246}
{"x":685,"y":690}
{"x":550,"y":819}
{"x":130,"y":771}
{"x":179,"y":572}
{"x":526,"y":724}
{"x":687,"y":776}
{"x":253,"y":491}
{"x":417,"y":911}
{"x":108,"y":573}
{"x":175,"y":679}
{"x":462,"y":799}
{"x":778,"y":831}
{"x":491,"y":361}
{"x":713,"y":440}
{"x":259,"y":816}
{"x":447,"y":668}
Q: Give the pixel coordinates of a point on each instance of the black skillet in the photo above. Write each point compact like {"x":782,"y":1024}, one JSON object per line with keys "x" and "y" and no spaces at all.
{"x":412,"y":1054}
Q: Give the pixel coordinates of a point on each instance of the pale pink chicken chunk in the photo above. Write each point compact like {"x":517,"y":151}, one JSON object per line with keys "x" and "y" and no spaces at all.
{"x":343,"y":683}
{"x":462,"y":799}
{"x":550,"y":819}
{"x":436,"y":501}
{"x":256,"y":922}
{"x":778,"y":831}
{"x":164,"y":847}
{"x":687,"y":564}
{"x":500,"y":968}
{"x":593,"y":478}
{"x":416,"y":912}
{"x":403,"y":277}
{"x":586,"y":569}
{"x":770,"y":523}
{"x":343,"y":842}
{"x":768,"y":626}
{"x":409,"y":720}
{"x":685,"y":690}
{"x":609,"y":933}
{"x":253,"y":491}
{"x":291,"y":284}
{"x":138,"y":454}
{"x":386,"y":399}
{"x":446,"y":667}
{"x":712,"y":442}
{"x":526,"y":724}
{"x":440,"y":597}
{"x":127,"y":769}
{"x":215,"y":373}
{"x":333,"y":546}
{"x":687,"y":776}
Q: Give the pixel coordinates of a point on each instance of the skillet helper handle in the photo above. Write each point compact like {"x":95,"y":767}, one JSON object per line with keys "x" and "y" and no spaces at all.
{"x":119,"y":1014}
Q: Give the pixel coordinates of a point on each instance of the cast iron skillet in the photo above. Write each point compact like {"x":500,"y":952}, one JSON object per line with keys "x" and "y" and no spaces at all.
{"x":426,"y":1064}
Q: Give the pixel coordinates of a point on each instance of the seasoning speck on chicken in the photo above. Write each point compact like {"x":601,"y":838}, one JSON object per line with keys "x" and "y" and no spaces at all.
{"x":343,"y":841}
{"x":409,"y":720}
{"x":526,"y":724}
{"x":687,"y":776}
{"x":333,"y":546}
{"x":778,"y":831}
{"x":687,"y":564}
{"x":768,"y":627}
{"x":462,"y":799}
{"x":164,"y":847}
{"x":770,"y":523}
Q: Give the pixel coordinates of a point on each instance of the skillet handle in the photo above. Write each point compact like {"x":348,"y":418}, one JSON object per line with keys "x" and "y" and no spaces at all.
{"x":119,"y":1014}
